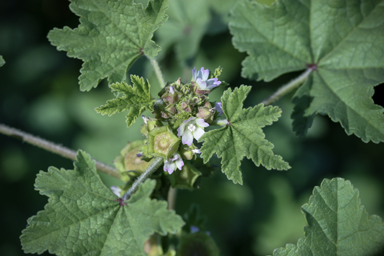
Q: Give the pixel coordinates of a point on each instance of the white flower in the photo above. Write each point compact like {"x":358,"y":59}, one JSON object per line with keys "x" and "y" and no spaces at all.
{"x":202,"y":81}
{"x":174,"y":162}
{"x":191,"y":128}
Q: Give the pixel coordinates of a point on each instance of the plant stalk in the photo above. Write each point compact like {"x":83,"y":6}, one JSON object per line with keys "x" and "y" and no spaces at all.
{"x":157,"y":162}
{"x":288,"y":87}
{"x":158,"y":73}
{"x":54,"y":148}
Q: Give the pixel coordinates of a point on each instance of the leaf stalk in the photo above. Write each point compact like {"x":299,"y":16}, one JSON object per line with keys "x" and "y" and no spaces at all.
{"x":293,"y":84}
{"x":157,"y":162}
{"x":158,"y":72}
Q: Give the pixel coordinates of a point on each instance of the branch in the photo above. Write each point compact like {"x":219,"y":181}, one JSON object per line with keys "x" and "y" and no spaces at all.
{"x":54,"y":148}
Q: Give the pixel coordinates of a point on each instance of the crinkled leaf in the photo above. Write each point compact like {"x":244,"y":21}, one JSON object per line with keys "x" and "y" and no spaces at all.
{"x":243,"y":137}
{"x":343,"y":39}
{"x":84,"y":217}
{"x":2,"y":61}
{"x":337,"y":224}
{"x":111,"y":36}
{"x":187,"y":23}
{"x":136,"y":99}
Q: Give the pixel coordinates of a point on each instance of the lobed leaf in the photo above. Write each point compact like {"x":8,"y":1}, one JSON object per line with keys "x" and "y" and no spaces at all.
{"x":337,"y":224}
{"x":111,"y":36}
{"x":243,"y":137}
{"x":84,"y":217}
{"x":341,"y":39}
{"x":136,"y":99}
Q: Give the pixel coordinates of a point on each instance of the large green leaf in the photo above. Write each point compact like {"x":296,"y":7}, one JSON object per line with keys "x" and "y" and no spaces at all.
{"x":111,"y":36}
{"x":338,"y":224}
{"x":342,"y":39}
{"x":84,"y":217}
{"x":243,"y":136}
{"x":136,"y":99}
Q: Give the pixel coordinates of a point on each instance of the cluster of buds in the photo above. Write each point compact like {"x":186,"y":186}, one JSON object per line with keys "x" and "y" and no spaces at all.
{"x":180,"y":117}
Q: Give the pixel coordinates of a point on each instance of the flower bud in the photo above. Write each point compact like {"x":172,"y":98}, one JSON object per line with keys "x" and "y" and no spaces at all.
{"x":149,"y":125}
{"x":206,"y":112}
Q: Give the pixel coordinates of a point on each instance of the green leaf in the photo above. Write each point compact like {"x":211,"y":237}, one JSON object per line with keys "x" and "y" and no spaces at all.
{"x":111,"y":36}
{"x":343,"y":39}
{"x":84,"y":217}
{"x":136,"y":99}
{"x":187,"y":23}
{"x":337,"y":224}
{"x":243,"y":137}
{"x":2,"y":61}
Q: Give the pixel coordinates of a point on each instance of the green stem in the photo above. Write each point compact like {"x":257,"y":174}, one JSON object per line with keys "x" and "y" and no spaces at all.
{"x":159,"y":75}
{"x":54,"y":148}
{"x":157,"y":162}
{"x":288,"y":87}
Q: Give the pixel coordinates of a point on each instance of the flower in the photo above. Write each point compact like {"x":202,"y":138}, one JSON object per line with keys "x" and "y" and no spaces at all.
{"x":191,"y":128}
{"x":174,"y":162}
{"x":219,"y":108}
{"x":202,"y":81}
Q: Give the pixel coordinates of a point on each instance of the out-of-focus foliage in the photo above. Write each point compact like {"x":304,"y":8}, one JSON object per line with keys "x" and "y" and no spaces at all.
{"x":337,"y":224}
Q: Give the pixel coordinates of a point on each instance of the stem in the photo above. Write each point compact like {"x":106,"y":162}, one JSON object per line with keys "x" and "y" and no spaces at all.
{"x":288,"y":87}
{"x":159,"y":75}
{"x":54,"y":148}
{"x":157,"y":162}
{"x":172,"y":198}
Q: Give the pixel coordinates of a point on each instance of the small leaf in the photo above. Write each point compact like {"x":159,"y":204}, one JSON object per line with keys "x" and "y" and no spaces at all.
{"x":136,"y":99}
{"x":243,"y":137}
{"x":111,"y":36}
{"x":84,"y":217}
{"x":345,"y":48}
{"x":337,"y":224}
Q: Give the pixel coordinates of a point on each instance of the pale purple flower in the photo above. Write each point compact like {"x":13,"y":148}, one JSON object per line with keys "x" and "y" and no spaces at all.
{"x":175,"y":162}
{"x":191,"y":128}
{"x":219,"y":108}
{"x":171,"y":90}
{"x":202,"y":81}
{"x":116,"y":191}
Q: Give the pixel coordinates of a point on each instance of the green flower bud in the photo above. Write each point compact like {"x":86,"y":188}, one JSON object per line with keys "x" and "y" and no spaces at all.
{"x":163,"y":142}
{"x":206,"y":112}
{"x":185,"y":178}
{"x":149,"y":125}
{"x":198,"y":243}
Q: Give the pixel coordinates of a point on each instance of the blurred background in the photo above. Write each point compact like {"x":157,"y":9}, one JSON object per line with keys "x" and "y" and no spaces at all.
{"x":40,"y":95}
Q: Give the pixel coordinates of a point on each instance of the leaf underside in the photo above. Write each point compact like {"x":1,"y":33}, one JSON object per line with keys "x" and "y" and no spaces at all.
{"x":243,"y":137}
{"x":111,"y":36}
{"x":84,"y":217}
{"x":135,"y":99}
{"x":337,"y":224}
{"x":342,"y":38}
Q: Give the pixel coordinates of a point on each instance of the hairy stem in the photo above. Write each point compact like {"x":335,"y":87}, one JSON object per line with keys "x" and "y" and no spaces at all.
{"x":159,"y":75}
{"x":157,"y":162}
{"x":54,"y":148}
{"x":288,"y":87}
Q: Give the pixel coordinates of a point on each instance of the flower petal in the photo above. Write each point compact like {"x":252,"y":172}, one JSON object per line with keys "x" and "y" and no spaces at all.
{"x":187,"y":138}
{"x":200,"y":122}
{"x":198,"y":133}
{"x":194,"y":74}
{"x":179,"y":163}
{"x":204,"y":73}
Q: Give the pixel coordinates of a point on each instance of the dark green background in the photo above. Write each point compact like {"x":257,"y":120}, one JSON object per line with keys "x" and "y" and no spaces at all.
{"x":40,"y":95}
